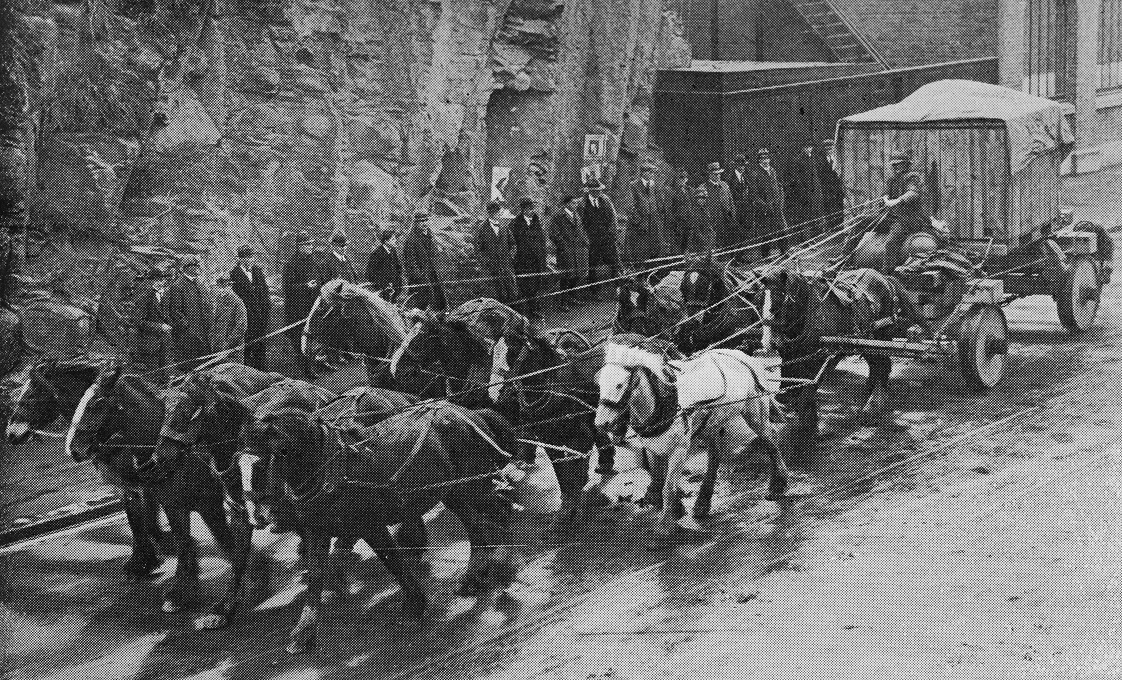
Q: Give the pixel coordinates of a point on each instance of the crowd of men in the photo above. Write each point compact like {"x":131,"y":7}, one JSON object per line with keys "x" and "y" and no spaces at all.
{"x":180,"y":319}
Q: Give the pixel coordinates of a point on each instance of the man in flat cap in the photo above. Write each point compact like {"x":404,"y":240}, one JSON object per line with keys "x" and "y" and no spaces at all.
{"x":766,"y":193}
{"x":419,"y":263}
{"x":641,"y":239}
{"x":598,"y":215}
{"x":719,"y":213}
{"x":230,"y":320}
{"x":248,"y":283}
{"x":301,"y":279}
{"x":191,"y":310}
{"x":149,"y":324}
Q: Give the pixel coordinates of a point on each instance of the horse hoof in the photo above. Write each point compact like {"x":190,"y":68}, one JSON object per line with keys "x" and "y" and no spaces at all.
{"x":212,"y":622}
{"x":140,"y":569}
{"x":777,"y":492}
{"x":300,"y":646}
{"x":701,"y":510}
{"x":414,"y":608}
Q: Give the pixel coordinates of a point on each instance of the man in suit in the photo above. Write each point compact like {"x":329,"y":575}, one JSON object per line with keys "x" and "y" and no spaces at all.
{"x":833,"y":192}
{"x":804,"y":194}
{"x":419,"y":263}
{"x":383,"y":268}
{"x":641,"y":240}
{"x":494,"y":245}
{"x":191,"y":310}
{"x":739,"y":231}
{"x":718,"y":212}
{"x":570,"y":242}
{"x":767,"y":201}
{"x":679,"y":214}
{"x":301,"y":278}
{"x":230,"y":321}
{"x":149,"y":324}
{"x":598,"y":215}
{"x":530,"y":250}
{"x":248,"y":283}
{"x":338,"y":264}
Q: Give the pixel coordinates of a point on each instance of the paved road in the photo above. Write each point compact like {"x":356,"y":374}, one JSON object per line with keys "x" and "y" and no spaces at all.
{"x":993,"y":556}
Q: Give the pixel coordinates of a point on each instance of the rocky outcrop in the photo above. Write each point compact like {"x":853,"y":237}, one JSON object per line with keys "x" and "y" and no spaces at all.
{"x":203,"y":124}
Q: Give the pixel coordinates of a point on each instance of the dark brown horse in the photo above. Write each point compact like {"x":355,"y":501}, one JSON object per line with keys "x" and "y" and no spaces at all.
{"x":714,"y":309}
{"x":359,"y":481}
{"x":552,"y":398}
{"x":805,"y":307}
{"x":53,"y":390}
{"x":117,"y":423}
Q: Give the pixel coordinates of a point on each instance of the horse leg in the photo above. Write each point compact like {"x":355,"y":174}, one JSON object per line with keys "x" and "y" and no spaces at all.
{"x":655,"y":462}
{"x":387,"y":550}
{"x":235,"y":544}
{"x":184,"y":590}
{"x":139,"y":512}
{"x":875,"y":404}
{"x":672,"y":510}
{"x":303,"y":635}
{"x":485,"y":518}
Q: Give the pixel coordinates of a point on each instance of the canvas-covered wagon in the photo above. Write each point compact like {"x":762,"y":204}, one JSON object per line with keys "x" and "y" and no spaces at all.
{"x":990,"y":159}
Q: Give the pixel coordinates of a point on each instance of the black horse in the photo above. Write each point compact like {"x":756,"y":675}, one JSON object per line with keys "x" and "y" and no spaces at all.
{"x":805,"y":307}
{"x":452,"y":354}
{"x":713,"y":311}
{"x":552,"y":398}
{"x":359,"y":481}
{"x":53,"y":390}
{"x":118,"y":422}
{"x":645,"y":308}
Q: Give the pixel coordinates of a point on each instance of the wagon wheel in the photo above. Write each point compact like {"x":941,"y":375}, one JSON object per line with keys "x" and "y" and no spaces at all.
{"x":1077,"y":295}
{"x":567,"y":341}
{"x":983,"y":341}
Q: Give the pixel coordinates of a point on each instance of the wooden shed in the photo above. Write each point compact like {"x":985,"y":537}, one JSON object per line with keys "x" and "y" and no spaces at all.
{"x":991,"y":156}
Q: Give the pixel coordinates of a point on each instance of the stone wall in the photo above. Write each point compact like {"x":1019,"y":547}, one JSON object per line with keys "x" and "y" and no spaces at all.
{"x":204,"y":124}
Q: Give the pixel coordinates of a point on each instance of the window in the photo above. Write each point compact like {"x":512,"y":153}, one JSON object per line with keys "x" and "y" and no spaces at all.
{"x":1050,"y":54}
{"x":1110,"y":44}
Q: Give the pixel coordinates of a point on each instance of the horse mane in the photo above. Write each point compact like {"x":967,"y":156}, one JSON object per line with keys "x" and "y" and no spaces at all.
{"x":624,"y":351}
{"x":383,"y":312}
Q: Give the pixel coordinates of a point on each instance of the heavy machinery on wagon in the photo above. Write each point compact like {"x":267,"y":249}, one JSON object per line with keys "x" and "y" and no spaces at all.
{"x":990,"y":159}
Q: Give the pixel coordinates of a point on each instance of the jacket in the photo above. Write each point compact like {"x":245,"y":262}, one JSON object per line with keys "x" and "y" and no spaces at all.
{"x":383,"y":271}
{"x":191,"y":310}
{"x":254,"y":293}
{"x":530,"y":248}
{"x":229,"y":328}
{"x":570,"y":241}
{"x":495,"y":249}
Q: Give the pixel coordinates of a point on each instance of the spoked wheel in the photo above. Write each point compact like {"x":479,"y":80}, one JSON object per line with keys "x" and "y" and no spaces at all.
{"x":1077,"y":296}
{"x":983,"y":342}
{"x":568,"y":341}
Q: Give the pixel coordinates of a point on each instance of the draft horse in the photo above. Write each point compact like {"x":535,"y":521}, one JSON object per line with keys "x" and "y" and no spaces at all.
{"x":351,"y":318}
{"x":118,"y":422}
{"x":713,"y":309}
{"x":359,"y":481}
{"x":53,"y":390}
{"x":802,"y":307}
{"x":722,"y":397}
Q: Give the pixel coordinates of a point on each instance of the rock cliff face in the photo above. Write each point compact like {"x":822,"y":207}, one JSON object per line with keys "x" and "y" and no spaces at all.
{"x":201,"y":124}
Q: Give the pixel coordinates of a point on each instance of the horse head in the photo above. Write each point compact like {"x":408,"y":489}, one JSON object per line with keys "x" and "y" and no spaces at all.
{"x":52,"y":389}
{"x":273,"y":459}
{"x":784,"y":298}
{"x":94,"y":412}
{"x":633,"y":366}
{"x":633,"y":298}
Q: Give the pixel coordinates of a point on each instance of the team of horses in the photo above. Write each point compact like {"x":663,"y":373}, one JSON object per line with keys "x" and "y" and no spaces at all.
{"x":453,"y":399}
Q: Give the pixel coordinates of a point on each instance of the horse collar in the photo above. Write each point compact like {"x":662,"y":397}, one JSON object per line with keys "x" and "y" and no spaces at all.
{"x":665,"y":411}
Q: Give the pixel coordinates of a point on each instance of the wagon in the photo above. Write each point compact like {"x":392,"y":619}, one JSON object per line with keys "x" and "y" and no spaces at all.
{"x":991,"y":158}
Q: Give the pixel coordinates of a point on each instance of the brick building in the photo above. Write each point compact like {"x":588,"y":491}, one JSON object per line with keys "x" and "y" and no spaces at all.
{"x":1069,"y":50}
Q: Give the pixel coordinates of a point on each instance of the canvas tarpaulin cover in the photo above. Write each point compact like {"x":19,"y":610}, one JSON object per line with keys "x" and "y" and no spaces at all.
{"x":1035,"y":125}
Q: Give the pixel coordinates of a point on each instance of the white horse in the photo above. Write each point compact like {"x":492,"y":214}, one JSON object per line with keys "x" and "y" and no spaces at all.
{"x":723,"y":398}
